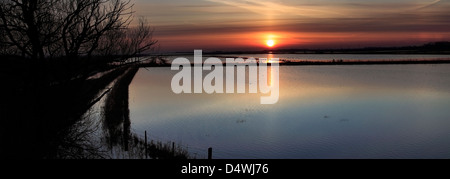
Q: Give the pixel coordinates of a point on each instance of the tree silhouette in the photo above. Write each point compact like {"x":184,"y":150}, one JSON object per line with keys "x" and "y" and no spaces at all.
{"x":126,"y":43}
{"x":86,"y":21}
{"x":39,"y":29}
{"x":28,"y":26}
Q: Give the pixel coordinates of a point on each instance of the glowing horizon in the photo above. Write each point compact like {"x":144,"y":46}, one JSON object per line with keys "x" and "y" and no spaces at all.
{"x":247,"y":25}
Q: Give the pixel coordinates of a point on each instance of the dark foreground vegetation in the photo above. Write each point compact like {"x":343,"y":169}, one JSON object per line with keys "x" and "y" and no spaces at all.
{"x":59,"y":58}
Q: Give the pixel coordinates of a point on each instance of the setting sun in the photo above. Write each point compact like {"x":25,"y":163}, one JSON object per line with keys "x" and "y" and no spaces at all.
{"x":270,"y":43}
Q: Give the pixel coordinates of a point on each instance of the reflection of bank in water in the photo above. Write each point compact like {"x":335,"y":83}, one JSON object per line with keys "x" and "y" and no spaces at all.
{"x":117,"y":136}
{"x":116,"y":115}
{"x":81,"y":139}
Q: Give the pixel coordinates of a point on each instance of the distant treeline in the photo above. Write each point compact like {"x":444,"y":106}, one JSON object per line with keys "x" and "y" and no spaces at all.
{"x":442,"y":47}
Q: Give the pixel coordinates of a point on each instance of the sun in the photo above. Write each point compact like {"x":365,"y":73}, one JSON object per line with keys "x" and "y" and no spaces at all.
{"x":270,"y":43}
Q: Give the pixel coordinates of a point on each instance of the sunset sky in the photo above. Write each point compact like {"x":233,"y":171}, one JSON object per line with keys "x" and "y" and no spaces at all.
{"x":185,"y":25}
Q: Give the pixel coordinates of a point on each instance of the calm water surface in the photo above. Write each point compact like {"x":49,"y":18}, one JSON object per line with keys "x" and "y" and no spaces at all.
{"x":364,"y":111}
{"x":328,"y":57}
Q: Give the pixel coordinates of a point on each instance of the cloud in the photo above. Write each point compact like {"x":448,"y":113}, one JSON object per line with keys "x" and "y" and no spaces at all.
{"x":267,"y":8}
{"x":428,"y":5}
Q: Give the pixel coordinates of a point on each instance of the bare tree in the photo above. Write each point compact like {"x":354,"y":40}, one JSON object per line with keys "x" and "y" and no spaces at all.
{"x":72,"y":28}
{"x":29,"y":25}
{"x":139,"y":39}
{"x":123,"y":44}
{"x":85,"y":22}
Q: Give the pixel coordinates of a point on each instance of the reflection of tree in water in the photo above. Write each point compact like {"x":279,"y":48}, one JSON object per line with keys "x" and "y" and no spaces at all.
{"x":78,"y":141}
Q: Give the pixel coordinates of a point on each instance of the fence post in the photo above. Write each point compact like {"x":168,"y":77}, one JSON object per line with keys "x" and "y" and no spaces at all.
{"x":173,"y":148}
{"x":210,"y":153}
{"x":145,"y":144}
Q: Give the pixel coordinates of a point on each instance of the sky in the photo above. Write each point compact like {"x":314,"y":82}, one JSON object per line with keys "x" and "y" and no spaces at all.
{"x":219,"y":25}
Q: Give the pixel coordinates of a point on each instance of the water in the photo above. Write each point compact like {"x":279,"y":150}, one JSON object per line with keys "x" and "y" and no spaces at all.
{"x":363,"y":111}
{"x":328,"y":57}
